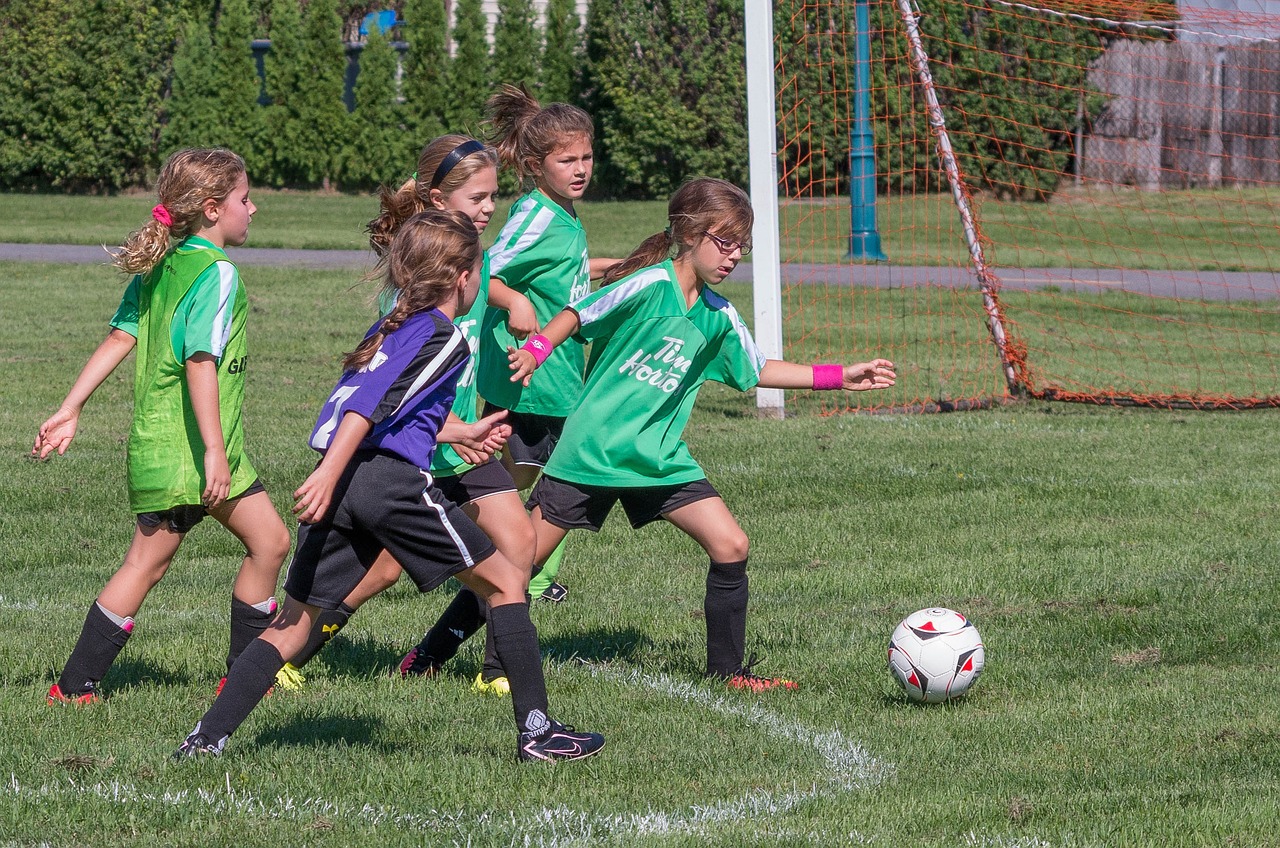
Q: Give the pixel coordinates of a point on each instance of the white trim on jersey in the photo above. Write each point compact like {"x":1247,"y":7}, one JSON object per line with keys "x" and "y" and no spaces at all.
{"x":720,"y":304}
{"x":228,"y":283}
{"x":618,"y":292}
{"x":443,"y":515}
{"x":501,"y":256}
{"x":431,"y":373}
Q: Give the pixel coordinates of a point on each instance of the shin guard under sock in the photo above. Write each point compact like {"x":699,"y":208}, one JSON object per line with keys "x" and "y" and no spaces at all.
{"x":100,"y":642}
{"x":247,"y":623}
{"x":326,"y":626}
{"x":458,"y":623}
{"x":725,"y":608}
{"x":516,"y":640}
{"x":247,"y":684}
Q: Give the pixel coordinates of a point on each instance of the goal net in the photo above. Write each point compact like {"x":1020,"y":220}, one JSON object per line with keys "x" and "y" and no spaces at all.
{"x":1072,"y":202}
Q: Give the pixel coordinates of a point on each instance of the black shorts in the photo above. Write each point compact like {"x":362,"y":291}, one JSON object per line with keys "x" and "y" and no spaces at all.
{"x":181,"y":519}
{"x":480,"y":481}
{"x":533,"y":437}
{"x":383,"y":503}
{"x":574,"y":506}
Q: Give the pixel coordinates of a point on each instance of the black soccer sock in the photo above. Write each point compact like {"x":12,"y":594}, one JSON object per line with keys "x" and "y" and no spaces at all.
{"x":247,"y":623}
{"x":516,"y":640}
{"x":458,"y":623}
{"x":247,"y":684}
{"x":492,"y":668}
{"x":725,"y":608}
{"x":326,"y":626}
{"x":100,"y":642}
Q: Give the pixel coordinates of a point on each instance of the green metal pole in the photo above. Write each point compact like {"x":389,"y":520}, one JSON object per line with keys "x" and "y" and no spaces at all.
{"x":864,"y":239}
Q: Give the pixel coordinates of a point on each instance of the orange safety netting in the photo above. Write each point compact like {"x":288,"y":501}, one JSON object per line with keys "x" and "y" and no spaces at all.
{"x":1121,"y":165}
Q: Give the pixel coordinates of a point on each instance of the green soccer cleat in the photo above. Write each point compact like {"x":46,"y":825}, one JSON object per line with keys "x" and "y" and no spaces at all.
{"x":498,"y":686}
{"x":290,"y":678}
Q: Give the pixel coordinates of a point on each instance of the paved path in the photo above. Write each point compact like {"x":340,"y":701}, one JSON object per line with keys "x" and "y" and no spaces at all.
{"x":1203,"y":285}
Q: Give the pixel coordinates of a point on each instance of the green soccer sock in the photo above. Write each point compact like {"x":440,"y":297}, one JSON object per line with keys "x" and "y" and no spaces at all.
{"x":550,"y":569}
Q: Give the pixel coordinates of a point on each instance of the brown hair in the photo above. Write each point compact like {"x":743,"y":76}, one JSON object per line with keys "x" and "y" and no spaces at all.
{"x":699,"y":206}
{"x":526,"y":132}
{"x":189,"y":178}
{"x":421,"y":267}
{"x":414,"y":195}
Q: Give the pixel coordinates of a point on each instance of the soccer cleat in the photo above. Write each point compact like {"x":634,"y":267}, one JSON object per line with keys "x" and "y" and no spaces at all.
{"x":558,"y":742}
{"x":555,"y":593}
{"x":745,"y":678}
{"x":418,"y":664}
{"x":290,"y":678}
{"x":56,"y":696}
{"x":198,"y":744}
{"x":497,"y":686}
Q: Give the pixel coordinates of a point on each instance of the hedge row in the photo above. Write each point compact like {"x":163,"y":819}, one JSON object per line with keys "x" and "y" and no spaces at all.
{"x":95,"y":101}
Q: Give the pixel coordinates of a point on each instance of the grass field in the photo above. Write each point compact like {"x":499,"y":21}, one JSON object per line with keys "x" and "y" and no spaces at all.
{"x":1227,"y":230}
{"x":1121,"y":565}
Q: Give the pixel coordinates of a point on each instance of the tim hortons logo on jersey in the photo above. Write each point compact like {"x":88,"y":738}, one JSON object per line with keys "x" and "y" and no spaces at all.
{"x":582,"y":283}
{"x":663,"y":369}
{"x":238,"y":366}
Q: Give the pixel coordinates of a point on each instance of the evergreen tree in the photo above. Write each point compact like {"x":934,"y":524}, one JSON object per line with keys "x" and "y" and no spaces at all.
{"x":236,"y":84}
{"x":469,"y":84}
{"x":284,"y":71}
{"x":320,"y":106}
{"x":380,"y":150}
{"x":517,"y":44}
{"x":561,"y":52}
{"x":426,"y":29}
{"x":192,"y":108}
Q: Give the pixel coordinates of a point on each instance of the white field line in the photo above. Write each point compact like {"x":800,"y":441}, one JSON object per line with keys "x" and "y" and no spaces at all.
{"x":845,"y":766}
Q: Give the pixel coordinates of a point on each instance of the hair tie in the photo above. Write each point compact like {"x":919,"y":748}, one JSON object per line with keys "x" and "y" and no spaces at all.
{"x":414,"y":177}
{"x":667,"y":232}
{"x":162,"y":215}
{"x":462,"y":151}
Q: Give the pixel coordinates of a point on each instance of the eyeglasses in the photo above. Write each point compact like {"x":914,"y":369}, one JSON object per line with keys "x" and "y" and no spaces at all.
{"x":727,"y":247}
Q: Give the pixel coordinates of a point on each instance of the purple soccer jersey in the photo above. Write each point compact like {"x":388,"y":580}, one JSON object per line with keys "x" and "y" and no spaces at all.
{"x":406,"y":390}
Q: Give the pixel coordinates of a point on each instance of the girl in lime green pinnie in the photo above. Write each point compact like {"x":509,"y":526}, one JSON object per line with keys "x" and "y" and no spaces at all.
{"x":184,"y":311}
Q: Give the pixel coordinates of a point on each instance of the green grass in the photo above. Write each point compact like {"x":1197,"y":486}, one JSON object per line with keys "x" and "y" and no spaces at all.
{"x":1119,"y":563}
{"x":1227,"y":230}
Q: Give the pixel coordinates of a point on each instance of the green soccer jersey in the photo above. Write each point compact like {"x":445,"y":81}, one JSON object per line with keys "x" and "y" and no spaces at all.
{"x":650,"y":354}
{"x":192,"y":302}
{"x":542,"y":254}
{"x":446,"y":462}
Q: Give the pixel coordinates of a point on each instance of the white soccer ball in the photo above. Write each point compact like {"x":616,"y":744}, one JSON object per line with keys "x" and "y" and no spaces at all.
{"x":936,"y":654}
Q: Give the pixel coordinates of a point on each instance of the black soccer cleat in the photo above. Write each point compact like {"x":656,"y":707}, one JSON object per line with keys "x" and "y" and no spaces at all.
{"x":555,"y":593}
{"x":417,"y":663}
{"x":558,"y":742}
{"x":197,"y":744}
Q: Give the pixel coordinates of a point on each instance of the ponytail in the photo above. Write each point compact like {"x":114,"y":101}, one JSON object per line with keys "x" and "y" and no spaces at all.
{"x":651,"y":251}
{"x":398,"y":205}
{"x":525,"y":132}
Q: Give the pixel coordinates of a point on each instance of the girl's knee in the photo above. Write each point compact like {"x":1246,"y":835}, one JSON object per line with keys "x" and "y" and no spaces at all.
{"x":733,"y":548}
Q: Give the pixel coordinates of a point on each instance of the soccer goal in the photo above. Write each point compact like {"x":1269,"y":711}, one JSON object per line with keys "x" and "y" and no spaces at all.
{"x":1076,"y":202}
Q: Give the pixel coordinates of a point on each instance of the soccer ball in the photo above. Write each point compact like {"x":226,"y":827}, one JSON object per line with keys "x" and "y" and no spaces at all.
{"x":936,"y":654}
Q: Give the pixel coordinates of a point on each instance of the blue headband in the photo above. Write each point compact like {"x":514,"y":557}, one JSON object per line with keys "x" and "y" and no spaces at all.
{"x":462,"y":151}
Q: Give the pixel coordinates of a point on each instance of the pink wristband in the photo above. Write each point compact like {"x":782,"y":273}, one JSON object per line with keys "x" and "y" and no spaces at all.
{"x":828,"y":377}
{"x":540,"y":346}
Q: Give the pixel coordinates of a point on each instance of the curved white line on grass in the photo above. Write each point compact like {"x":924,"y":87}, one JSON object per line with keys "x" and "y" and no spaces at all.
{"x":846,"y":766}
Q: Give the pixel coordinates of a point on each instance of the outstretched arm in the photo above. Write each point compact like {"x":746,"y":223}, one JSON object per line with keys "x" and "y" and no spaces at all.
{"x":859,"y":377}
{"x":57,"y":432}
{"x":539,"y":347}
{"x":314,"y":497}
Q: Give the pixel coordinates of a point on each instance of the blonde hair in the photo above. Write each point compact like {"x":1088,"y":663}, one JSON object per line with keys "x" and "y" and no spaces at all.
{"x":421,"y":269}
{"x":701,"y":205}
{"x":189,"y":178}
{"x":414,"y":194}
{"x":526,"y":132}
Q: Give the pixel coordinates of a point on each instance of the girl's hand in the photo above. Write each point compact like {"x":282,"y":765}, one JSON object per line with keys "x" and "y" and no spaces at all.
{"x":217,"y":479}
{"x":484,"y":438}
{"x":56,"y":433}
{"x":522,"y":321}
{"x":522,"y":363}
{"x":863,"y":376}
{"x":315,"y":495}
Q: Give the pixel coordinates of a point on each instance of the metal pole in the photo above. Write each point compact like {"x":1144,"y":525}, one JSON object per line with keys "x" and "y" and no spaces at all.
{"x":864,"y":239}
{"x":762,"y":145}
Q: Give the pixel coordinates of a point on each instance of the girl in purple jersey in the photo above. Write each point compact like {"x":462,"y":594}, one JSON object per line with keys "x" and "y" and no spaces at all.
{"x":371,"y":492}
{"x":658,"y":331}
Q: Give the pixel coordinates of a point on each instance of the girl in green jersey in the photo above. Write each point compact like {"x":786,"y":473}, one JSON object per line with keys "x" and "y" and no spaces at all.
{"x":184,"y":311}
{"x":658,"y":331}
{"x":459,"y":174}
